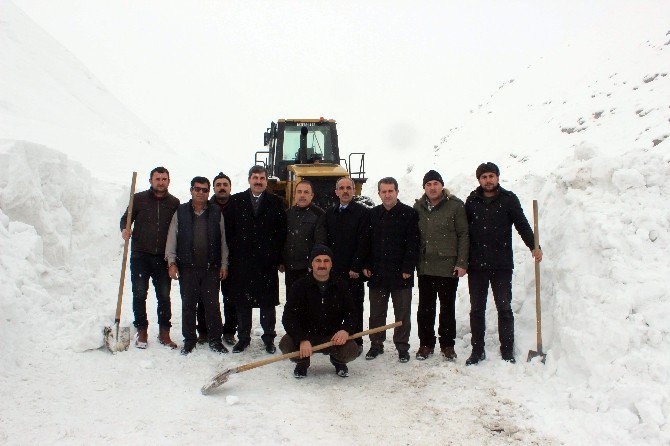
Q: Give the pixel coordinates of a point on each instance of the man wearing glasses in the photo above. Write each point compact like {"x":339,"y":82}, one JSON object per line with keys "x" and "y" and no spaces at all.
{"x":197,"y":255}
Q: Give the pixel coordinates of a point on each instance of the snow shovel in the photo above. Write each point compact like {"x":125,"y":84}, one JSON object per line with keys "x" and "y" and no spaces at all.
{"x":538,"y":309}
{"x":118,"y":338}
{"x":222,"y":377}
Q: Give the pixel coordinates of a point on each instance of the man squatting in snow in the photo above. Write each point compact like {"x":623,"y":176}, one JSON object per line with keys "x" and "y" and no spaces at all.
{"x":491,"y":212}
{"x":152,"y":213}
{"x":319,"y":308}
{"x":197,"y":254}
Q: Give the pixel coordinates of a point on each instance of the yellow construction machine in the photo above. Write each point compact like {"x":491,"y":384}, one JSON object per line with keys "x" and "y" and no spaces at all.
{"x":307,"y":149}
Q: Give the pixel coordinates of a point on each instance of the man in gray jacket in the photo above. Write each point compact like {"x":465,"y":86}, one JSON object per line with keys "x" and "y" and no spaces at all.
{"x":443,"y":226}
{"x":305,"y":227}
{"x":197,"y":254}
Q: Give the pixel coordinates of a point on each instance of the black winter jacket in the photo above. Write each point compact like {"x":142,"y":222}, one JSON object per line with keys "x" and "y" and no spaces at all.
{"x":394,"y":246}
{"x":304,"y":228}
{"x":349,"y":237}
{"x":308,"y":313}
{"x":151,"y":218}
{"x":490,"y":223}
{"x":255,"y":243}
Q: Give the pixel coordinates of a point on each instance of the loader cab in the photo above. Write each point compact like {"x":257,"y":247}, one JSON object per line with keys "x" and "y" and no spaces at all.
{"x":307,"y":141}
{"x":307,"y":149}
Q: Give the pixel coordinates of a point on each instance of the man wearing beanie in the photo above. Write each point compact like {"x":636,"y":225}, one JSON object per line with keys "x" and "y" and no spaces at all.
{"x":491,"y":212}
{"x":319,"y":308}
{"x":394,"y":252}
{"x":443,"y":258}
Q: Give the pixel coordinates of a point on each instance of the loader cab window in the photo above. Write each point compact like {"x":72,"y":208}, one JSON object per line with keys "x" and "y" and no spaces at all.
{"x":319,"y":141}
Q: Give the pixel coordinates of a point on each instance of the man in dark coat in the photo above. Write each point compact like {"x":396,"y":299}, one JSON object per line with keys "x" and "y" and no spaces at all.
{"x":394,"y":253}
{"x":443,"y":259}
{"x":256,"y":228}
{"x":305,"y":228}
{"x":221,"y":198}
{"x":491,"y":212}
{"x":197,"y":255}
{"x":319,"y":308}
{"x":348,"y":228}
{"x":152,"y":212}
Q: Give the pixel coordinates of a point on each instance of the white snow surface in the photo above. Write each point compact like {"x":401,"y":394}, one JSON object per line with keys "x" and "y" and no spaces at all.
{"x":583,"y":130}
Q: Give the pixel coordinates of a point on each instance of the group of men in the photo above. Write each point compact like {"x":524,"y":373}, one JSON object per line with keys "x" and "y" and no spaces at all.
{"x":237,"y":244}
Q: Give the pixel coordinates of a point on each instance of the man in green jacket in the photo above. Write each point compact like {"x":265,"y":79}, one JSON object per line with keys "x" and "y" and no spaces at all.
{"x":443,"y":226}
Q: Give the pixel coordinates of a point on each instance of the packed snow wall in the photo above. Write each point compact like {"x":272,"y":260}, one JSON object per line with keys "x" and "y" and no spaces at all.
{"x":58,"y":244}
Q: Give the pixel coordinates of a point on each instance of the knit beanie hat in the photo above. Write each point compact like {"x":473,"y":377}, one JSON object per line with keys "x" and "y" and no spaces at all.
{"x":486,"y":168}
{"x":432,"y":175}
{"x":319,"y":250}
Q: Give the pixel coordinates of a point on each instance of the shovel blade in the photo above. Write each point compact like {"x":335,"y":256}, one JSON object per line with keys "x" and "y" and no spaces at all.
{"x":217,"y":381}
{"x":533,"y":354}
{"x":115,"y":344}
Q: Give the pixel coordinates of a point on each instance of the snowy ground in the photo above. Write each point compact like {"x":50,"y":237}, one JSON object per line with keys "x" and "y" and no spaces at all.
{"x":589,"y":142}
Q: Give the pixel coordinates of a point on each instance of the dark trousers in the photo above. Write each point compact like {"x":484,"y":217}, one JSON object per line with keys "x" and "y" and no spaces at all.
{"x":379,"y":304}
{"x":291,"y":275}
{"x":142,"y":267}
{"x":229,"y":316}
{"x":357,"y":289}
{"x":200,"y":285}
{"x":268,"y":322}
{"x":341,"y":354}
{"x":229,"y":313}
{"x":430,"y":288}
{"x":501,"y":285}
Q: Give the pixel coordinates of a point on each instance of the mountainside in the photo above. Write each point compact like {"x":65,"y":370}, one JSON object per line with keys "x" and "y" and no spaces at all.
{"x":48,"y":97}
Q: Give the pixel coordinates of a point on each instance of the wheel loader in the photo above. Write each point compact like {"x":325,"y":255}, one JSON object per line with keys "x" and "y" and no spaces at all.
{"x":307,"y":149}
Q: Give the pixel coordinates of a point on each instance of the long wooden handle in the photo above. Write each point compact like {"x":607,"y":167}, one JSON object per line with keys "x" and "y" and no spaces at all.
{"x":538,"y":307}
{"x":125,"y":249}
{"x":253,"y":365}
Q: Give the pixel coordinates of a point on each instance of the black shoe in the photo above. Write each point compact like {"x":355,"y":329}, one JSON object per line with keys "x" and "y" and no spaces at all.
{"x":374,"y":352}
{"x":217,"y":346}
{"x":240,"y":346}
{"x":403,"y":356}
{"x":229,"y":339}
{"x":509,"y":357}
{"x":300,"y":370}
{"x":187,"y":348}
{"x":203,"y":338}
{"x":341,"y":369}
{"x":475,"y":358}
{"x":270,"y":348}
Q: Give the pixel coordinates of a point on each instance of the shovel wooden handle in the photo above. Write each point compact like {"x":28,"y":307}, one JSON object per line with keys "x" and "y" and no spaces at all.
{"x":538,"y":308}
{"x":129,"y":222}
{"x":253,"y":365}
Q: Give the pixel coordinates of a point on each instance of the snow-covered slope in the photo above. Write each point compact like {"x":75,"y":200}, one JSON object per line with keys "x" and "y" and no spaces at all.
{"x":47,"y":96}
{"x":584,"y":130}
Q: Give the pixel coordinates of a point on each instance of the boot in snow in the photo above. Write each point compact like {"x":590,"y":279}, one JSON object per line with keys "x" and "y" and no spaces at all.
{"x":164,"y":337}
{"x":141,"y":338}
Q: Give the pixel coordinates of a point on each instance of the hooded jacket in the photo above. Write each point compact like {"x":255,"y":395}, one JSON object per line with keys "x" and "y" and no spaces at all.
{"x":444,"y":236}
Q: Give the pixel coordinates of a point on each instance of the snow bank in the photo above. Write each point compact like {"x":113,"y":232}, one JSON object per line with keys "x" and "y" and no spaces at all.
{"x":607,"y":295}
{"x":56,"y":249}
